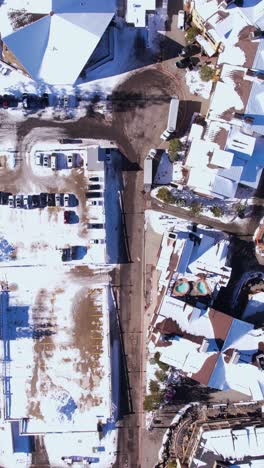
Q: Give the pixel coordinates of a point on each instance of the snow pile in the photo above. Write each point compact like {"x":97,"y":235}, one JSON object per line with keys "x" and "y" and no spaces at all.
{"x":161,"y":223}
{"x":197,"y":86}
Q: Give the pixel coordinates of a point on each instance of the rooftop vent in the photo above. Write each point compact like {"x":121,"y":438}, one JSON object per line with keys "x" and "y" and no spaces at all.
{"x":234,"y":358}
{"x":226,"y":3}
{"x":204,"y":346}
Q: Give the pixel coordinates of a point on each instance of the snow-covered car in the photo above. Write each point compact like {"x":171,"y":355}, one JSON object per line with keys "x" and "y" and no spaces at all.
{"x":69,"y":161}
{"x":65,"y":100}
{"x":94,"y":202}
{"x":46,"y":160}
{"x":97,"y":241}
{"x":66,"y":199}
{"x":181,"y":19}
{"x":19,"y":201}
{"x":108,"y":155}
{"x":25,"y":201}
{"x":53,"y":161}
{"x":38,"y":159}
{"x":57,"y":199}
{"x":11,"y":201}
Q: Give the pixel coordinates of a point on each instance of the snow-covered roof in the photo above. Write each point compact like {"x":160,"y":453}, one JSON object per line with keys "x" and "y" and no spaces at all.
{"x":136,"y":11}
{"x":228,"y":360}
{"x":195,"y":132}
{"x":222,"y":158}
{"x":235,"y":444}
{"x":258,"y":63}
{"x":255,"y":107}
{"x":240,"y":142}
{"x":209,"y":183}
{"x":210,"y":51}
{"x":199,"y":153}
{"x":254,"y":12}
{"x":206,"y":8}
{"x":62,"y":41}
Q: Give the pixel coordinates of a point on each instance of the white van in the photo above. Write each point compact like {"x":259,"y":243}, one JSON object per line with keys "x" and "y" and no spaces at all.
{"x":53,"y":161}
{"x":181,"y":18}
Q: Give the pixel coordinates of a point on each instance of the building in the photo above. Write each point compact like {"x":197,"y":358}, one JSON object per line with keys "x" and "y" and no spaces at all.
{"x":210,"y":347}
{"x":193,"y":265}
{"x":41,"y":47}
{"x":226,"y":28}
{"x":219,"y":436}
{"x":137,"y":11}
{"x":228,"y":150}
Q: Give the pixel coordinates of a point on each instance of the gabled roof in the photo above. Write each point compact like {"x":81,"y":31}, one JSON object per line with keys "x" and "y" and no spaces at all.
{"x":56,"y":47}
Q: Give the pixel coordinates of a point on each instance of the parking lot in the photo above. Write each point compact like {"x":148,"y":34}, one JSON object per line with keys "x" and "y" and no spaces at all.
{"x":61,"y":209}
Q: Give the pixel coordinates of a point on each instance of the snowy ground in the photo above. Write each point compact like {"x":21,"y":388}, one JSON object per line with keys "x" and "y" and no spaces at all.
{"x":61,"y":379}
{"x":161,"y":223}
{"x":57,"y":322}
{"x":197,"y":86}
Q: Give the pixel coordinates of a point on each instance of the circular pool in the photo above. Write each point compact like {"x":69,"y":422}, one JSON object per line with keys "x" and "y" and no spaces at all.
{"x":201,"y":286}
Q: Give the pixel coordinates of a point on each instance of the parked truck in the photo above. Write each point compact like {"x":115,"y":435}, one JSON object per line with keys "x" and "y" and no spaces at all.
{"x":172,"y":119}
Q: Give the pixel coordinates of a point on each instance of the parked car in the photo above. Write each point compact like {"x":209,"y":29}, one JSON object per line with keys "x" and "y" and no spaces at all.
{"x":66,"y":141}
{"x":57,"y":199}
{"x":44,"y":100}
{"x":94,"y":195}
{"x":66,"y":254}
{"x":96,"y":226}
{"x":96,"y":179}
{"x":9,"y":101}
{"x":108,"y":154}
{"x":38,"y":159}
{"x":97,"y":241}
{"x":35,"y":200}
{"x":95,"y":203}
{"x":11,"y":201}
{"x":152,"y":153}
{"x":25,"y":201}
{"x":43,"y":199}
{"x":94,"y":187}
{"x":187,"y":62}
{"x":53,"y":161}
{"x":189,"y":50}
{"x":4,"y":198}
{"x":65,"y":100}
{"x":69,"y":161}
{"x":181,"y":19}
{"x":19,"y":201}
{"x":30,"y":101}
{"x":46,"y":160}
{"x":67,"y":217}
{"x":51,"y":199}
{"x":66,"y":199}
